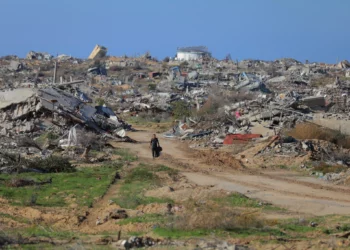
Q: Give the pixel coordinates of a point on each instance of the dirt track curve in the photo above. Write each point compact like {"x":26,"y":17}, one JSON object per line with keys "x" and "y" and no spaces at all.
{"x":290,"y":190}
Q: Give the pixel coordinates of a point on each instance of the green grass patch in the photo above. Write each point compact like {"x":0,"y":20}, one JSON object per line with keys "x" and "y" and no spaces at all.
{"x":162,"y":168}
{"x":125,"y":155}
{"x":246,"y":232}
{"x":282,"y":166}
{"x":238,"y":232}
{"x":37,"y":231}
{"x":146,"y":218}
{"x":136,"y":182}
{"x":239,"y":200}
{"x":18,"y":219}
{"x":296,"y":227}
{"x":81,"y":187}
{"x":131,"y":195}
{"x":175,"y":233}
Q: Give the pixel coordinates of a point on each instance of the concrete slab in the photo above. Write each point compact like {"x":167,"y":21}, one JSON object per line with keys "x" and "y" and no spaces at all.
{"x":15,"y":96}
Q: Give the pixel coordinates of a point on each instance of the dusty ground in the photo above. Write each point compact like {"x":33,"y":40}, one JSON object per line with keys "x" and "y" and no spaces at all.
{"x":290,"y":190}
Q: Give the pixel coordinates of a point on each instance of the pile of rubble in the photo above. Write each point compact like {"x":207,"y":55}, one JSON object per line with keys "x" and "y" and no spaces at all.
{"x":223,"y":102}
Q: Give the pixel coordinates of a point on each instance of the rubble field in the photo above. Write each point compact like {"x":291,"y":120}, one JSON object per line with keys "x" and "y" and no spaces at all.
{"x":255,"y":154}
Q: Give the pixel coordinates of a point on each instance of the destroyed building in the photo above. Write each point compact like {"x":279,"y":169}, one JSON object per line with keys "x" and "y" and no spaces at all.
{"x":98,"y":52}
{"x":192,"y":53}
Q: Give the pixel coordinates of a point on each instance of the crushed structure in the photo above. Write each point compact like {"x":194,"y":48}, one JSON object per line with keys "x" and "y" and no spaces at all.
{"x":98,"y":52}
{"x":214,"y":103}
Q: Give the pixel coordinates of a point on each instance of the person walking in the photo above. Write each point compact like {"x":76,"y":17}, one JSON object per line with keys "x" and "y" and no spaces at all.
{"x":154,"y":145}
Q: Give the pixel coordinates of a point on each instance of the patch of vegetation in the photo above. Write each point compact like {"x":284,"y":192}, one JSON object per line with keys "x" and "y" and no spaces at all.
{"x":176,"y":233}
{"x":238,"y":232}
{"x":37,"y":231}
{"x":306,"y":131}
{"x":136,"y":182}
{"x":18,"y":237}
{"x":99,"y":101}
{"x":46,"y":136}
{"x":296,"y":226}
{"x":209,"y":215}
{"x":321,"y":82}
{"x":15,"y":218}
{"x":240,"y":200}
{"x":181,"y":109}
{"x":146,"y":218}
{"x":82,"y":187}
{"x":173,"y":173}
{"x":152,"y":86}
{"x":125,"y":154}
{"x":237,"y":200}
{"x":52,"y":164}
{"x":326,"y":168}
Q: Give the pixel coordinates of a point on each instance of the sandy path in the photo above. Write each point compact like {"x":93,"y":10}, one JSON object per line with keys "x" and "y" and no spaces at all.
{"x":286,"y":189}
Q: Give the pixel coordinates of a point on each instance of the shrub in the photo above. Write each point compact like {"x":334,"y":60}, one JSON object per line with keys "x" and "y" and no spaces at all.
{"x":327,"y":168}
{"x":152,"y":86}
{"x":312,"y":131}
{"x":212,"y":216}
{"x":99,"y":101}
{"x":181,"y":109}
{"x":52,"y":164}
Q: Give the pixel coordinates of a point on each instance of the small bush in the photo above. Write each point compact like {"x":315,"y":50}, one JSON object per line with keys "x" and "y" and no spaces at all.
{"x":212,"y":216}
{"x":99,"y":101}
{"x":326,"y":168}
{"x":181,"y":109}
{"x":312,"y":131}
{"x":152,"y":86}
{"x":52,"y":164}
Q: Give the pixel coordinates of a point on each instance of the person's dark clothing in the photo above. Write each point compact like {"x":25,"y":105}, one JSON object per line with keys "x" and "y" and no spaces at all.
{"x":154,"y":143}
{"x":154,"y":146}
{"x":154,"y":152}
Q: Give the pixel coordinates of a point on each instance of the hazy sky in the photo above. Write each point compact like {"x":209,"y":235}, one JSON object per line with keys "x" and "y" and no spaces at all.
{"x":317,"y":30}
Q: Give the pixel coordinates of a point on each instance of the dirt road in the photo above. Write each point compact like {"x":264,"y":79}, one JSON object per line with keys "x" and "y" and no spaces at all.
{"x":290,"y":190}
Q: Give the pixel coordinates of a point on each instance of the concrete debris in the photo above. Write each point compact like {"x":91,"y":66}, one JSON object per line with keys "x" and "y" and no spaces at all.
{"x":98,"y":52}
{"x":39,"y":56}
{"x":216,"y":103}
{"x":15,"y":66}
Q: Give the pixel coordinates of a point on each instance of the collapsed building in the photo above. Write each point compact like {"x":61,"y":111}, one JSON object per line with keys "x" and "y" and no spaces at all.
{"x":221,"y":98}
{"x":30,"y":108}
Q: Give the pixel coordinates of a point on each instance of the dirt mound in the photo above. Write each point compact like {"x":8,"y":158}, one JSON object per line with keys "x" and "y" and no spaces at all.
{"x":154,"y":208}
{"x":216,"y":158}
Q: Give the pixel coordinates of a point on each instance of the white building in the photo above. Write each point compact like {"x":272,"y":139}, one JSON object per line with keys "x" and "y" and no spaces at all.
{"x":192,"y":53}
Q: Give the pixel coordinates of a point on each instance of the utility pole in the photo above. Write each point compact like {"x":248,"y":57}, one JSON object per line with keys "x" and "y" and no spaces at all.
{"x":54,"y":73}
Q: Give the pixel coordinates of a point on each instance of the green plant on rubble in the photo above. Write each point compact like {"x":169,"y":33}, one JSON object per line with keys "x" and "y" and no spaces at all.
{"x":181,"y":109}
{"x":99,"y":101}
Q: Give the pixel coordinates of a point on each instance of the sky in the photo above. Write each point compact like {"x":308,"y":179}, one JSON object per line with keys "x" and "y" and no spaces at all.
{"x":314,"y":30}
